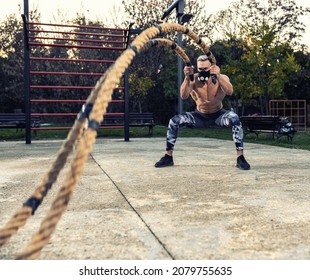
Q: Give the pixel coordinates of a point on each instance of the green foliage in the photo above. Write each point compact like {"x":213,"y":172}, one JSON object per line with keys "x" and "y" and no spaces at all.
{"x":11,"y":42}
{"x":284,"y":16}
{"x":298,"y":85}
{"x":12,"y":63}
{"x":169,"y":76}
{"x":263,"y":68}
{"x":140,"y":84}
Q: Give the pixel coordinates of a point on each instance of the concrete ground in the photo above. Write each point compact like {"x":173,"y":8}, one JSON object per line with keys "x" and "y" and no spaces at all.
{"x":201,"y":208}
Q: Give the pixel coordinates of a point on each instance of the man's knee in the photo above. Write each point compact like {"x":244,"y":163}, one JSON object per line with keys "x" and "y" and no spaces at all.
{"x":174,"y":124}
{"x":228,"y":119}
{"x":234,"y":119}
{"x":175,"y":119}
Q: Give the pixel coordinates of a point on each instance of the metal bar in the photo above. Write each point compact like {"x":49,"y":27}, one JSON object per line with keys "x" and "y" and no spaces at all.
{"x":76,"y":33}
{"x":128,"y":33}
{"x":75,"y":46}
{"x":180,"y":12}
{"x":68,"y":87}
{"x":62,"y":87}
{"x":111,"y":126}
{"x":72,"y":114}
{"x":26,"y":75}
{"x":305,"y":113}
{"x":76,"y":40}
{"x":68,"y":101}
{"x":65,"y":73}
{"x":180,"y":73}
{"x":51,"y":128}
{"x":126,"y":117}
{"x":76,"y":26}
{"x":68,"y":128}
{"x":71,"y":60}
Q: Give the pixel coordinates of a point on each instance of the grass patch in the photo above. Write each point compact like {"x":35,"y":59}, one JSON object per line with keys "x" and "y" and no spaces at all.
{"x":300,"y":140}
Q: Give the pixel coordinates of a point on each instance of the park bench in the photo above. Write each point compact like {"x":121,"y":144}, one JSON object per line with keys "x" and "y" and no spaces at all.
{"x":135,"y":120}
{"x":17,"y":120}
{"x":275,"y":125}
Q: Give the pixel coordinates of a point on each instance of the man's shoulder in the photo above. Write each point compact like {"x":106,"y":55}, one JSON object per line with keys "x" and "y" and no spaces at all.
{"x":224,"y":76}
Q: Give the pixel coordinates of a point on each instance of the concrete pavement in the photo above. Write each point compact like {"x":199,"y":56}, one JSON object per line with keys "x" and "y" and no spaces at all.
{"x":201,"y":208}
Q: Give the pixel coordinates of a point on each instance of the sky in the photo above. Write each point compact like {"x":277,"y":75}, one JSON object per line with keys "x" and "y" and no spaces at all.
{"x":101,"y":9}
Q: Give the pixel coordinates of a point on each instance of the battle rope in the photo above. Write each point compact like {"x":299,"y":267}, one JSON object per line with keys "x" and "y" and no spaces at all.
{"x":93,"y":111}
{"x":166,"y":42}
{"x":31,"y":205}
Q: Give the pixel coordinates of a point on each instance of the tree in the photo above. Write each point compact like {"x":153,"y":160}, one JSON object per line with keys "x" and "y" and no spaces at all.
{"x":266,"y":36}
{"x":298,"y":86}
{"x":263,"y":69}
{"x":140,"y":87}
{"x":11,"y":41}
{"x":283,"y":16}
{"x":12,"y":63}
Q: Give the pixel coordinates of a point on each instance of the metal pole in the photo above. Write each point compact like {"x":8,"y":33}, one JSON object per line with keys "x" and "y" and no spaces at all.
{"x":180,"y":12}
{"x":179,"y":6}
{"x":180,"y":75}
{"x":26,"y":75}
{"x":126,"y":117}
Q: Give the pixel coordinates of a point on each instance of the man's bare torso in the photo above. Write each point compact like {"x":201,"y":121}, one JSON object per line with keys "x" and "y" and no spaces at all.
{"x":208,"y":96}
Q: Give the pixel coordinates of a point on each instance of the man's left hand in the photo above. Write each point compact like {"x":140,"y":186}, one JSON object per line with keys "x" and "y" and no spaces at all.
{"x":214,"y":69}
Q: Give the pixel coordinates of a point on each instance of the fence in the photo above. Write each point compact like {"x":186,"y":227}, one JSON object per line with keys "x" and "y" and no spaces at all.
{"x":62,"y":64}
{"x":296,"y":110}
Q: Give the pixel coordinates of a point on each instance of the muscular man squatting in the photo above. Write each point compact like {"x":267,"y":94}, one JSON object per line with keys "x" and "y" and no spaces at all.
{"x":208,"y":94}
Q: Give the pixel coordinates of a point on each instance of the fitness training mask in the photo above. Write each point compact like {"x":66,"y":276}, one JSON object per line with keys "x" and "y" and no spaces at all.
{"x":203,"y":75}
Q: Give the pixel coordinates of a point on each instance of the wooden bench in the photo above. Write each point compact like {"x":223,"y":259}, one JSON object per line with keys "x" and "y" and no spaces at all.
{"x":135,"y":120}
{"x":17,"y":120}
{"x":267,"y":124}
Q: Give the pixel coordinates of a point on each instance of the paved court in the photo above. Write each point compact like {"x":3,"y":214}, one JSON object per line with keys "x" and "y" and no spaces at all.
{"x":202,"y":208}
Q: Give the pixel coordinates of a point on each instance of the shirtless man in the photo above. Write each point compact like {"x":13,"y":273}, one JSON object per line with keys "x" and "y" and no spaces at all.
{"x":208,"y":89}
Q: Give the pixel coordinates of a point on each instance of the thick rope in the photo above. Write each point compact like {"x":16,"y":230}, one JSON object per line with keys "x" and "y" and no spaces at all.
{"x":41,"y":238}
{"x":166,"y":42}
{"x":99,"y":99}
{"x":21,"y":216}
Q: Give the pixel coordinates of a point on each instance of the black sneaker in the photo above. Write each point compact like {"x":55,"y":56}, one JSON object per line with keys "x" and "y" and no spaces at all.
{"x":242,"y":163}
{"x":165,"y":161}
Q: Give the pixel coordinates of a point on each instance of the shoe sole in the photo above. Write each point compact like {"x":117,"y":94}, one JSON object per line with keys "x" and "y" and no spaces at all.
{"x":166,"y":165}
{"x":237,"y":165}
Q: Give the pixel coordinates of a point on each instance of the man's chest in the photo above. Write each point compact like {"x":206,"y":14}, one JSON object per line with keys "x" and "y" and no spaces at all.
{"x":206,"y":92}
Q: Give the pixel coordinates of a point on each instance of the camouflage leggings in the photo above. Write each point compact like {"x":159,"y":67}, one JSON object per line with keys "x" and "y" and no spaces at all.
{"x":198,"y":120}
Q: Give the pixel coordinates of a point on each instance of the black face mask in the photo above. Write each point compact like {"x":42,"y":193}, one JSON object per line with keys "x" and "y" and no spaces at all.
{"x":203,"y":76}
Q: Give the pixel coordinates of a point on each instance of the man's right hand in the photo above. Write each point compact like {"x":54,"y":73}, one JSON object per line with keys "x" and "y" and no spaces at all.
{"x":188,"y":70}
{"x":188,"y":83}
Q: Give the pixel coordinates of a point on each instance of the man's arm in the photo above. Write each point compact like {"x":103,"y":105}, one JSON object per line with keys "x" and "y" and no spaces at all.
{"x":225,"y":84}
{"x":223,"y":80}
{"x":187,"y":85}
